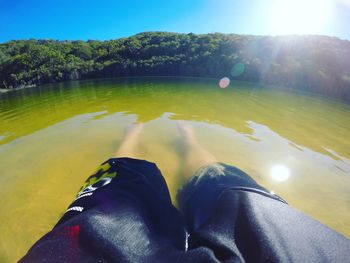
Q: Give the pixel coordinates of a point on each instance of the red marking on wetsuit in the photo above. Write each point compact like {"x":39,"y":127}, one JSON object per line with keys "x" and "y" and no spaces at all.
{"x":74,"y":231}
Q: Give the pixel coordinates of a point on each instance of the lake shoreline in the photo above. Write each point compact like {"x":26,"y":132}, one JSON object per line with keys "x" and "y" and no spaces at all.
{"x":17,"y":88}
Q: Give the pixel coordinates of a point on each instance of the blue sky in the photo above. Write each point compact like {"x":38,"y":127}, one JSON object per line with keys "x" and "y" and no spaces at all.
{"x":107,"y":19}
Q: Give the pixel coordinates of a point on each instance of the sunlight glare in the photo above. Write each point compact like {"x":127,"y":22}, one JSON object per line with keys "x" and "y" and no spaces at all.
{"x":299,"y":16}
{"x":346,"y":2}
{"x":280,"y":173}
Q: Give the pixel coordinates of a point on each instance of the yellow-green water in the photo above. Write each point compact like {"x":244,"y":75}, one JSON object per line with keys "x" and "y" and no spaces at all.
{"x":53,"y":137}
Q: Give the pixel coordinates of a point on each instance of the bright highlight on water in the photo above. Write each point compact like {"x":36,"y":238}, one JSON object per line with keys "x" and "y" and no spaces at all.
{"x":280,"y":173}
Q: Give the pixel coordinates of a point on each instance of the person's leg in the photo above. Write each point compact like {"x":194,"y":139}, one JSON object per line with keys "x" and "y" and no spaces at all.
{"x":195,"y":155}
{"x":228,"y":213}
{"x":123,"y":213}
{"x":130,"y":141}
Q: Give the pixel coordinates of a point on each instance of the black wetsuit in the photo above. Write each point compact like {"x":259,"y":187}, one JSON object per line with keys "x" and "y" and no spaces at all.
{"x":123,"y":213}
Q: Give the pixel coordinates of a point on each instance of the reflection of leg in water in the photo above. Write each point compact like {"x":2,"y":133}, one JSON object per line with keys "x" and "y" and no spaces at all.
{"x":196,"y":155}
{"x":130,"y":140}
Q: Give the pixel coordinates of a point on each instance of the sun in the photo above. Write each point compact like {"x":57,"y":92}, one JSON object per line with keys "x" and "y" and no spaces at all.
{"x":299,"y":16}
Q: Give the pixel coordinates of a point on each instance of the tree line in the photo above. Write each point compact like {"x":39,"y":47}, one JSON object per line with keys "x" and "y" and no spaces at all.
{"x":317,"y":64}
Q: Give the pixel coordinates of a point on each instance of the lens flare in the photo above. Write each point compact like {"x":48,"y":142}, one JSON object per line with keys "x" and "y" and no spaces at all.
{"x":238,"y":69}
{"x":224,"y":82}
{"x":280,"y":173}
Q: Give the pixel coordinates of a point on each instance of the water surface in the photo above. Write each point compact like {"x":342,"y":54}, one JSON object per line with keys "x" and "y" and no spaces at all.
{"x":53,"y":137}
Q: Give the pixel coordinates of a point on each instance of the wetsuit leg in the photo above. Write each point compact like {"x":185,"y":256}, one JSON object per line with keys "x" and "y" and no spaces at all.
{"x":123,"y":213}
{"x":228,"y":213}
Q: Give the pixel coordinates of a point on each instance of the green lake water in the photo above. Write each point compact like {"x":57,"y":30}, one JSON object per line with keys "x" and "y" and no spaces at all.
{"x":53,"y":137}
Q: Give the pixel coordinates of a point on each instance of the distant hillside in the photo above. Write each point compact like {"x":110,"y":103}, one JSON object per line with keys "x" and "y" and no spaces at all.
{"x":312,"y":63}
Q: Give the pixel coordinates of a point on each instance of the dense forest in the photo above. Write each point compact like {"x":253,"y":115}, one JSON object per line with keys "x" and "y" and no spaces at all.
{"x":317,"y":64}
